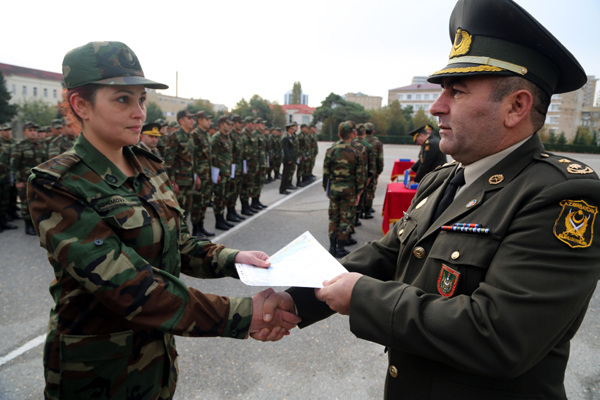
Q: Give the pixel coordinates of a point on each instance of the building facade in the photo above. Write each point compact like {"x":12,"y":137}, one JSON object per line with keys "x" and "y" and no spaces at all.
{"x":368,"y":102}
{"x":299,"y":113}
{"x":26,"y":84}
{"x":287,"y":98}
{"x":418,"y":95}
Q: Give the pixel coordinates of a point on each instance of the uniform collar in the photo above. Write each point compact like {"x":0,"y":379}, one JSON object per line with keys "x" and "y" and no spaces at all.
{"x":102,"y":166}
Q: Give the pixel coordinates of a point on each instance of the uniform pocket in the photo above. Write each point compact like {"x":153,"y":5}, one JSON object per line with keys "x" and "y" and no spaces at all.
{"x":128,"y":217}
{"x":94,"y":366}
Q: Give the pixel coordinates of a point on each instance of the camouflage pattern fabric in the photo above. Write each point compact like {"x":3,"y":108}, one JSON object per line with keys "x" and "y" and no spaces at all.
{"x":343,"y":178}
{"x":118,"y":245}
{"x":25,"y":155}
{"x":250,"y":151}
{"x":7,"y":189}
{"x":161,"y":144}
{"x":145,"y":147}
{"x":314,"y":151}
{"x":237,"y":157}
{"x":372,"y":186}
{"x":202,"y":154}
{"x":179,"y":164}
{"x":277,"y":152}
{"x":302,"y":153}
{"x":222,"y":149}
{"x":259,"y":178}
{"x":59,"y":145}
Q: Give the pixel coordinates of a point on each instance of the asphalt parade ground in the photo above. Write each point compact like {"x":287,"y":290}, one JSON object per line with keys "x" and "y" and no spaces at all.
{"x":323,"y":361}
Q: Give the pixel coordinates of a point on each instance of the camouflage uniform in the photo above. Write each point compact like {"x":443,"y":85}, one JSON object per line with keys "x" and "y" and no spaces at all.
{"x":145,"y":147}
{"x":372,"y":187}
{"x":302,"y":153}
{"x":222,"y":149}
{"x":259,"y":179}
{"x":202,"y":153}
{"x":250,"y":151}
{"x":118,"y":245}
{"x":343,"y":178}
{"x":179,"y":164}
{"x":370,"y":168}
{"x":314,"y":151}
{"x":290,"y":155}
{"x":5,"y":175}
{"x":60,"y":144}
{"x":25,"y":155}
{"x":237,"y":157}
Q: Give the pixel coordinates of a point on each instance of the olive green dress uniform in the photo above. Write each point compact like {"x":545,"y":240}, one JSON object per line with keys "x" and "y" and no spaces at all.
{"x":179,"y":163}
{"x":25,"y":155}
{"x":430,"y":157}
{"x":290,"y":154}
{"x":118,"y":245}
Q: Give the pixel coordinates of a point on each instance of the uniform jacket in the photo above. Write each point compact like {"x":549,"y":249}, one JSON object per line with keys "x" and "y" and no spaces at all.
{"x":430,"y":157}
{"x":250,"y":151}
{"x":237,"y":151}
{"x":25,"y":155}
{"x":117,"y":245}
{"x":59,"y":145}
{"x":378,"y":146}
{"x":503,"y":331}
{"x":178,"y":158}
{"x":343,"y":170}
{"x":202,"y":152}
{"x":288,"y":146}
{"x":222,"y":153}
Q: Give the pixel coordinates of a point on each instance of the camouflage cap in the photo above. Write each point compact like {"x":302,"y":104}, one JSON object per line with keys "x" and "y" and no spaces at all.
{"x":361,"y":127}
{"x":212,"y":126}
{"x":346,"y":127}
{"x":173,"y":124}
{"x":6,"y":126}
{"x":104,"y":63}
{"x":203,"y":114}
{"x":258,"y":121}
{"x":57,"y":123}
{"x":369,"y":126}
{"x":30,"y":124}
{"x":249,"y":120}
{"x":236,"y":118}
{"x":151,"y":129}
{"x":161,"y":122}
{"x":224,"y":119}
{"x":183,"y":114}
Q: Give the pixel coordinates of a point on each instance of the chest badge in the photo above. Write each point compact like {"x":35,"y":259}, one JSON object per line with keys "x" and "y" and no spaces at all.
{"x":575,"y":224}
{"x":496,"y":179}
{"x":447,"y":281}
{"x":421,"y":203}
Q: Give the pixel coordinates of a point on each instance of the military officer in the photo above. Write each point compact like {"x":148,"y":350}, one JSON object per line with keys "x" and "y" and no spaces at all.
{"x":430,"y":156}
{"x":149,"y":138}
{"x":202,"y":153}
{"x":222,"y":156}
{"x":479,"y":289}
{"x":25,"y":155}
{"x":289,"y":158}
{"x":178,"y":160}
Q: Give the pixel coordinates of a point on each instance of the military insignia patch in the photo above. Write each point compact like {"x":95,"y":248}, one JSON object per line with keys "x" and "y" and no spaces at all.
{"x":496,"y":179}
{"x":427,"y":148}
{"x":575,"y":224}
{"x":447,"y":281}
{"x":579,"y":169}
{"x":462,"y":43}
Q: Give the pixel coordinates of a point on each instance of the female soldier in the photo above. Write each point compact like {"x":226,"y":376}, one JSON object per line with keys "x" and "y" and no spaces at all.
{"x":106,"y":213}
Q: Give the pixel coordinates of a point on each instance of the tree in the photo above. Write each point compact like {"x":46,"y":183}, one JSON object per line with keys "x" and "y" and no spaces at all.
{"x":397,"y":119}
{"x":551,"y":137}
{"x":153,"y":112}
{"x":37,"y":111}
{"x":562,"y":139}
{"x":242,"y":108}
{"x":422,"y":118}
{"x":582,"y":137}
{"x":337,"y":110}
{"x":200,"y":105}
{"x":278,"y":116}
{"x":296,"y":93}
{"x":7,"y":111}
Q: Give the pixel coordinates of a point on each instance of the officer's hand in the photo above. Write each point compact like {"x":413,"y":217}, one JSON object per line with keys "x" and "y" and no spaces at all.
{"x":281,"y":321}
{"x":256,"y":258}
{"x":357,"y":200}
{"x":338,"y":292}
{"x":274,"y":301}
{"x":198,"y":183}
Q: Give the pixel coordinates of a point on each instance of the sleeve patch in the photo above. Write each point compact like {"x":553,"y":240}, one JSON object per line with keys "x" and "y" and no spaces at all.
{"x":575,"y":224}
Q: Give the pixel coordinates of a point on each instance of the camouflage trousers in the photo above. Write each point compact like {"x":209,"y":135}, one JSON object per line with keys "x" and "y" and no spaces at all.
{"x":247,"y":183}
{"x":200,"y":199}
{"x":259,"y":181}
{"x":235,"y":188}
{"x":219,"y":200}
{"x":370,"y":192}
{"x":184,"y":198}
{"x":341,"y":213}
{"x":313,"y":160}
{"x":276,"y":165}
{"x":22,"y":193}
{"x":308,"y":163}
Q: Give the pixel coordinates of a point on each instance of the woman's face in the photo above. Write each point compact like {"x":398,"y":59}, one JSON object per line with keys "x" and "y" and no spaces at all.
{"x":117,"y":116}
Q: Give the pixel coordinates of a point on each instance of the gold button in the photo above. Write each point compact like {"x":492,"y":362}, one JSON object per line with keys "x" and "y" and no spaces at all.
{"x":419,"y":252}
{"x":400,"y":232}
{"x":455,"y":255}
{"x":393,"y":371}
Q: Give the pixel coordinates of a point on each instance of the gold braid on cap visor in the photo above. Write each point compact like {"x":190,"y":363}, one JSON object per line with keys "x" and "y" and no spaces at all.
{"x":489,"y":65}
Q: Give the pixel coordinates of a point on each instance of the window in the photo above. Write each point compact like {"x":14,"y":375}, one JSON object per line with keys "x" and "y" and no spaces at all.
{"x":594,"y":124}
{"x":182,"y":102}
{"x":426,"y":107}
{"x":34,"y":92}
{"x":595,"y":115}
{"x":554,"y":107}
{"x":553,"y":120}
{"x":400,"y":97}
{"x":408,"y":96}
{"x":435,"y":96}
{"x":54,"y":93}
{"x":45,"y":92}
{"x":14,"y":89}
{"x":24,"y":90}
{"x":418,"y":97}
{"x":426,"y":96}
{"x":160,"y":99}
{"x":290,"y":119}
{"x":305,"y":119}
{"x":556,"y":96}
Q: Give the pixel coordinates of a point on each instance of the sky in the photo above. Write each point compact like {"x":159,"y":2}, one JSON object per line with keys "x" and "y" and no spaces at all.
{"x":224,"y":51}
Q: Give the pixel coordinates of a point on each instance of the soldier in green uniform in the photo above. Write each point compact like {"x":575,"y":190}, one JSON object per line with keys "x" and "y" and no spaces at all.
{"x":370,"y":170}
{"x":478,"y":290}
{"x":149,"y":138}
{"x":6,"y":142}
{"x":164,"y":128}
{"x":173,"y":126}
{"x":290,"y":155}
{"x":114,"y":232}
{"x":249,"y":165}
{"x":378,"y":146}
{"x":55,"y":132}
{"x":202,"y":153}
{"x":25,"y":155}
{"x":6,"y":145}
{"x":63,"y":142}
{"x":314,"y":150}
{"x":222,"y":156}
{"x":237,"y":154}
{"x":343,"y":181}
{"x":179,"y":162}
{"x":430,"y":156}
{"x":302,"y":142}
{"x":268,"y":154}
{"x":259,"y":179}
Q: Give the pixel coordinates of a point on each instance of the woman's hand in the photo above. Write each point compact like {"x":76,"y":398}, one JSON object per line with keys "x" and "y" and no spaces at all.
{"x":256,"y":258}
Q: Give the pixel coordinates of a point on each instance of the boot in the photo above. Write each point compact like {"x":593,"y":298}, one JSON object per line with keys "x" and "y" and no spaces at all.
{"x":29,"y":229}
{"x":255,"y":204}
{"x":367,"y":213}
{"x":340,"y":251}
{"x":267,"y":179}
{"x":277,"y":175}
{"x":238,"y":216}
{"x":6,"y":225}
{"x":231,"y":215}
{"x":259,"y":203}
{"x":8,"y":217}
{"x":220,"y":224}
{"x":348,"y":242}
{"x":246,"y":210}
{"x":200,"y":231}
{"x":195,"y":229}
{"x":291,"y":187}
{"x":332,"y":245}
{"x":300,"y":182}
{"x":14,"y":214}
{"x":371,"y":209}
{"x":357,"y":220}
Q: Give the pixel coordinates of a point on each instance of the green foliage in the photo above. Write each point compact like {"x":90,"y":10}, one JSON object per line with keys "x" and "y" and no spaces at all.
{"x":422,"y":118}
{"x":7,"y":111}
{"x":153,"y":112}
{"x":296,"y":93}
{"x":335,"y":109}
{"x":551,"y":137}
{"x":37,"y":111}
{"x":561,"y":138}
{"x":242,"y":108}
{"x":582,"y":137}
{"x":278,"y":116}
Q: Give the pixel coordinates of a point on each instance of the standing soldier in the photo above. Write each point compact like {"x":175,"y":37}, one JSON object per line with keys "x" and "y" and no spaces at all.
{"x":343,"y":181}
{"x":237,"y":154}
{"x":430,"y":156}
{"x":259,"y":180}
{"x":249,"y":165}
{"x":269,"y":155}
{"x":63,"y":142}
{"x":25,"y":155}
{"x":55,"y":132}
{"x":178,"y":160}
{"x":378,"y":146}
{"x":277,"y":152}
{"x":202,"y":154}
{"x":289,"y":148}
{"x":301,"y":139}
{"x":149,"y":138}
{"x":222,"y":154}
{"x":173,"y":126}
{"x":164,"y":128}
{"x":371,"y":156}
{"x":6,"y":142}
{"x":314,"y":150}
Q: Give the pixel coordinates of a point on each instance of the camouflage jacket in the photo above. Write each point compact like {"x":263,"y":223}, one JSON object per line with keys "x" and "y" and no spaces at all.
{"x":276,"y":151}
{"x":371,"y":156}
{"x":343,"y":170}
{"x":202,"y":152}
{"x":25,"y":155}
{"x":378,"y":146}
{"x":117,"y":245}
{"x":237,"y":150}
{"x":222,"y":153}
{"x":250,"y":150}
{"x":303,"y":149}
{"x":314,"y":145}
{"x":178,"y":158}
{"x":5,"y":149}
{"x":59,"y":145}
{"x":262,"y":154}
{"x":290,"y":148}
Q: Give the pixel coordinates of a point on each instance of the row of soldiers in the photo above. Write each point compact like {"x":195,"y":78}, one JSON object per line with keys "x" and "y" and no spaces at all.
{"x":18,"y":157}
{"x":232,"y":162}
{"x":351,"y":169}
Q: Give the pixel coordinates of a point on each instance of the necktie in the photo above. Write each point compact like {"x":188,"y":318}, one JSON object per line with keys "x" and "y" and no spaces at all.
{"x":457,"y":181}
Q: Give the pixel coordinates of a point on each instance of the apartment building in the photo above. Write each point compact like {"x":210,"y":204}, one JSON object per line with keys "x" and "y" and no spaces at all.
{"x":368,"y":102}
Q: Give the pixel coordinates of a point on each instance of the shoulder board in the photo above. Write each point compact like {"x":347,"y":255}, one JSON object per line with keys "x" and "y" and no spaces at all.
{"x":448,"y":164}
{"x":147,"y":154}
{"x":56,"y":167}
{"x":571,"y":169}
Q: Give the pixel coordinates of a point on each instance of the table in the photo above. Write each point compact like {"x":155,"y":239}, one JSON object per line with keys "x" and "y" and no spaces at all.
{"x":397,"y":200}
{"x":400,"y":166}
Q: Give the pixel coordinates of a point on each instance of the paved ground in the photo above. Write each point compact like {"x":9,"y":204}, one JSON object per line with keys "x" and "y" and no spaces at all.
{"x":324,"y":361}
